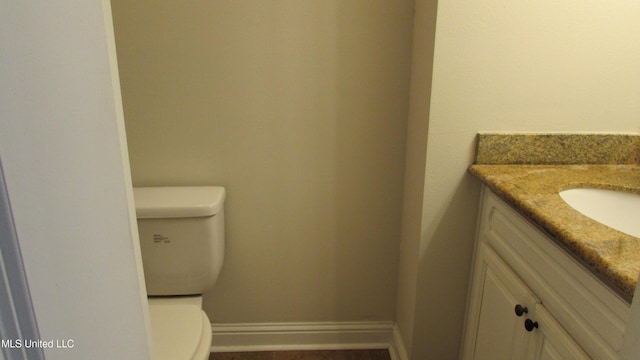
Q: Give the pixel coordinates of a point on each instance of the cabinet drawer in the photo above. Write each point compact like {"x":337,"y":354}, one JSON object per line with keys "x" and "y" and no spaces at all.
{"x":590,"y":311}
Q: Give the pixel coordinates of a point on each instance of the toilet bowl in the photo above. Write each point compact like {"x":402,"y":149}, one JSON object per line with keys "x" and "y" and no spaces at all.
{"x":182,"y":244}
{"x":179,"y":328}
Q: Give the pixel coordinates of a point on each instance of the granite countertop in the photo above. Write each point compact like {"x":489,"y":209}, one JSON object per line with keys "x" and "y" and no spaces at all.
{"x":533,"y":191}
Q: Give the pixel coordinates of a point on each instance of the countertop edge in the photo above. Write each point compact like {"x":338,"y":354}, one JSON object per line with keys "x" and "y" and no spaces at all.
{"x":533,"y":206}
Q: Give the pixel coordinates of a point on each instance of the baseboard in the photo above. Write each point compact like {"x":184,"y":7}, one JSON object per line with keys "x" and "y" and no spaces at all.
{"x":397,"y":349}
{"x":308,"y":336}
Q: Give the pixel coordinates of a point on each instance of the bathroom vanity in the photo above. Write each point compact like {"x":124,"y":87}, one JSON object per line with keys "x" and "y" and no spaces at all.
{"x":530,"y":299}
{"x":548,"y":281}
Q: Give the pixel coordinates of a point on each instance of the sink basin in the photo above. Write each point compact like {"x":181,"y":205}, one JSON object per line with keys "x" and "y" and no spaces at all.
{"x":616,"y":209}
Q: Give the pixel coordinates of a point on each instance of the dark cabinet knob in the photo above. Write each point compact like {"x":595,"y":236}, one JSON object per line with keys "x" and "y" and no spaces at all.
{"x":530,"y":324}
{"x":521,"y":310}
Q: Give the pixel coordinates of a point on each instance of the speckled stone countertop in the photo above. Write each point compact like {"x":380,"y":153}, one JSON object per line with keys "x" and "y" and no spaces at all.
{"x":558,"y":149}
{"x":533,"y":190}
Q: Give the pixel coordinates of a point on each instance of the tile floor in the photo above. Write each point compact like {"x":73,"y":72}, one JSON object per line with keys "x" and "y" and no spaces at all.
{"x":305,"y":355}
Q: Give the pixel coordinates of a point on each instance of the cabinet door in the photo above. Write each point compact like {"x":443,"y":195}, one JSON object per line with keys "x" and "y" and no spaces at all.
{"x":494,"y":331}
{"x":549,"y":340}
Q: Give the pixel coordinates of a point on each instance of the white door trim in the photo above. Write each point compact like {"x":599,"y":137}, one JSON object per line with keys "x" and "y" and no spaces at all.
{"x":16,"y":310}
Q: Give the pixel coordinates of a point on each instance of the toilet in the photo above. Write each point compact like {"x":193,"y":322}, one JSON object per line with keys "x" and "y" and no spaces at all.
{"x":182,"y":243}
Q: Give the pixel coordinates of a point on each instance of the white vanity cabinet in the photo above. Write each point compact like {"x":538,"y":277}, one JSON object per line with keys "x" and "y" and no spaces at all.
{"x":530,"y":300}
{"x":509,"y":322}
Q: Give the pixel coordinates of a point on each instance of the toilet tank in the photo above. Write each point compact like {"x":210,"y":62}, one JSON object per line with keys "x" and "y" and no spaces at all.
{"x":181,"y":237}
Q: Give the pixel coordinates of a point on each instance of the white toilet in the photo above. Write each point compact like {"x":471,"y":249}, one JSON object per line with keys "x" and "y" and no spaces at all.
{"x":182,"y":242}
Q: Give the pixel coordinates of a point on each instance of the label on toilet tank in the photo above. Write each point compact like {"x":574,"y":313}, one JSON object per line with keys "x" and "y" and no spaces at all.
{"x":160,"y":239}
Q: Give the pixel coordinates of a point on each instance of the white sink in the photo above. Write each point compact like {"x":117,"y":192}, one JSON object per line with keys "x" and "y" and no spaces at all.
{"x":616,"y":209}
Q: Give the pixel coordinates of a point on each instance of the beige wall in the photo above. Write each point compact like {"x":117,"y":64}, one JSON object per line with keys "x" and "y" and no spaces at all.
{"x":416,"y":152}
{"x":501,"y":66}
{"x":299,"y":109}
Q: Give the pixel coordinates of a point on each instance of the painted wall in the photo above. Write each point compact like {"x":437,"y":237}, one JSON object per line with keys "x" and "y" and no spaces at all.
{"x":415,"y":161}
{"x":501,"y":66}
{"x":64,"y":155}
{"x":299,"y":108}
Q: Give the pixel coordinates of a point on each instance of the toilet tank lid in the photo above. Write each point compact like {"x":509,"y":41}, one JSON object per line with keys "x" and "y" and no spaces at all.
{"x":178,"y":201}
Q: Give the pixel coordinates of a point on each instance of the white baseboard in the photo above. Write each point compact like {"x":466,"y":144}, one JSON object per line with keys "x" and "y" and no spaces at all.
{"x":308,"y":336}
{"x":397,"y":349}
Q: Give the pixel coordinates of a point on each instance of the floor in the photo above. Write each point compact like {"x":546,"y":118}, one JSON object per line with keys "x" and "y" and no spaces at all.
{"x":305,"y":355}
